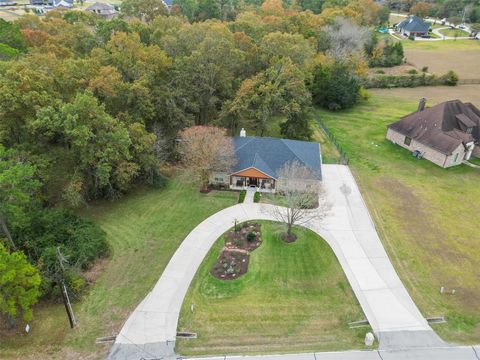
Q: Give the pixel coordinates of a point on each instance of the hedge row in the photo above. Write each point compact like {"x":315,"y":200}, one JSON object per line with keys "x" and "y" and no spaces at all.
{"x":241,"y":197}
{"x":412,"y":80}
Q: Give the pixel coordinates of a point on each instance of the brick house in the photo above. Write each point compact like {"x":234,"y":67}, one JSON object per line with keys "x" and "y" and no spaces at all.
{"x":446,"y":134}
{"x":259,"y":160}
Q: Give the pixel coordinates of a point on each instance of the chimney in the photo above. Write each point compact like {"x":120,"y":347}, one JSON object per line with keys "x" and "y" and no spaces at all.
{"x":243,"y":133}
{"x":421,"y":104}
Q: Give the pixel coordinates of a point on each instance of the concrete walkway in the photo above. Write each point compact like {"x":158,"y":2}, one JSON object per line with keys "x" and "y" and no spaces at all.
{"x":249,"y":196}
{"x":348,"y":229}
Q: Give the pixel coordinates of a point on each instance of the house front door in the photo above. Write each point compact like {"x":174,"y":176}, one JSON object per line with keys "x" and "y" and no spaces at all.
{"x":252,"y":181}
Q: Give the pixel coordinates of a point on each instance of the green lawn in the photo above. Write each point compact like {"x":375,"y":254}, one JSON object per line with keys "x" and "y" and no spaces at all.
{"x":454,"y":32}
{"x":427,"y":216}
{"x":144,"y":230}
{"x":294,"y":298}
{"x":451,"y":45}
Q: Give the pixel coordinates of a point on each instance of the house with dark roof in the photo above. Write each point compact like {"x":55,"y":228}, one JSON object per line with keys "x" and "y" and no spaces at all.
{"x":446,"y":134}
{"x":413,"y":26}
{"x":260,"y":159}
{"x":103,"y":9}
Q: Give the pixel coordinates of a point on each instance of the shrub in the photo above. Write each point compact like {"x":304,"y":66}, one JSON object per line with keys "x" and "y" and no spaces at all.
{"x":450,"y":78}
{"x":241,"y":196}
{"x":380,"y":71}
{"x":251,"y":236}
{"x":425,"y":69}
{"x":256,"y":197}
{"x":412,"y":71}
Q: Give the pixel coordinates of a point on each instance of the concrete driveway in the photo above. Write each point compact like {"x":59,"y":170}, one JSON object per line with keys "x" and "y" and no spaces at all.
{"x":150,"y":331}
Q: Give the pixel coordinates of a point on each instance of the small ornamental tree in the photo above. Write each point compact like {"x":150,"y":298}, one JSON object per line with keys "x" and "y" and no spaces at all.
{"x":19,"y":285}
{"x":300,"y":201}
{"x":205,"y":149}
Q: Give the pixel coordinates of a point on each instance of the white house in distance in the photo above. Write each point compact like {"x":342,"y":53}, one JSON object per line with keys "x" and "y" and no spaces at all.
{"x":259,"y":160}
{"x":103,"y":9}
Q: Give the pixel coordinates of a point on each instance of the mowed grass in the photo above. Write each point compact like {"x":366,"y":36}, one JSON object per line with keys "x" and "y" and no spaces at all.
{"x":144,"y":229}
{"x":427,"y":216}
{"x":454,"y":32}
{"x":294,"y":298}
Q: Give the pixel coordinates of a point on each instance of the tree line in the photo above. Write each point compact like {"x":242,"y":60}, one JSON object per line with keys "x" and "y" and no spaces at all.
{"x":90,"y":108}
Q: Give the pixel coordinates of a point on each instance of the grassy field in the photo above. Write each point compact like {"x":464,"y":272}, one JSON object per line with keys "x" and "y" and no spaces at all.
{"x":294,"y":297}
{"x":144,"y":229}
{"x":460,"y":56}
{"x":427,"y":216}
{"x":454,"y":32}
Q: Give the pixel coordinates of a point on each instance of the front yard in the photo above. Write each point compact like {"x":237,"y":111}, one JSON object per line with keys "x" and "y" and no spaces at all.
{"x":144,"y":229}
{"x":294,"y":298}
{"x":426,"y":216}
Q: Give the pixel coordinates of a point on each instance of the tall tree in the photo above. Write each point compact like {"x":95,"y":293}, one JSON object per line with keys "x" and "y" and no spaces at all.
{"x":144,"y":9}
{"x":205,"y":149}
{"x":280,"y":89}
{"x":19,"y":285}
{"x":299,"y":199}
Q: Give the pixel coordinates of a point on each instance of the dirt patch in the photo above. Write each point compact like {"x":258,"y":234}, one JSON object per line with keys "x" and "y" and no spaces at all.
{"x":233,"y":261}
{"x":231,"y":264}
{"x":92,"y":274}
{"x":434,"y":94}
{"x":289,"y":238}
{"x":394,"y":70}
{"x":463,"y":62}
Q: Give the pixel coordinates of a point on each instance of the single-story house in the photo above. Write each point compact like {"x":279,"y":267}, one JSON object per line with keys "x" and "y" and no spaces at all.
{"x":413,"y":26}
{"x":259,"y":160}
{"x":54,"y":3}
{"x":446,"y":134}
{"x":103,"y":9}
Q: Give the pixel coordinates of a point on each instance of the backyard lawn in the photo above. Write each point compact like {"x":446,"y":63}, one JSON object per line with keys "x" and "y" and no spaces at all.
{"x":144,"y":229}
{"x":427,"y":216}
{"x":294,"y":298}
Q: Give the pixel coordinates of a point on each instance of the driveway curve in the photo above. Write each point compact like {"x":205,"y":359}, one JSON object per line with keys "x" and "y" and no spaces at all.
{"x":150,"y":331}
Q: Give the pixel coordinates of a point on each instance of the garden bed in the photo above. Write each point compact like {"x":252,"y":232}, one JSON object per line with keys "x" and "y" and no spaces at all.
{"x":233,"y":261}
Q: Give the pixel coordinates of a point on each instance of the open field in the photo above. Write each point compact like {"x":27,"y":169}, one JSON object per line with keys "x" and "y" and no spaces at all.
{"x":144,"y":229}
{"x":454,"y":32}
{"x":8,"y":15}
{"x":460,"y":56}
{"x":427,"y":216}
{"x":434,"y":95}
{"x":294,"y":297}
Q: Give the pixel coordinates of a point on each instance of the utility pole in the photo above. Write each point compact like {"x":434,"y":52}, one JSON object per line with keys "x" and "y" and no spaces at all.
{"x":63,"y":288}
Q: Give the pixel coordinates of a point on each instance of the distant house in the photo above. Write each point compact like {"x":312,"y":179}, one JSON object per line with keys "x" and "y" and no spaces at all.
{"x":103,"y":9}
{"x":413,"y":26}
{"x":446,"y":134}
{"x":259,"y":160}
{"x":7,"y":2}
{"x":54,"y":3}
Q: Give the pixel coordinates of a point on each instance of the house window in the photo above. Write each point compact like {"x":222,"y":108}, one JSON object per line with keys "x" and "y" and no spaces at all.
{"x":469,"y":130}
{"x":407,"y":141}
{"x":219,"y":179}
{"x":455,"y":158}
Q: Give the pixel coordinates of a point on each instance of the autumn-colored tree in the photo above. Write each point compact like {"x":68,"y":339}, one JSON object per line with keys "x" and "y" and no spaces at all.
{"x":273,"y":8}
{"x":205,"y":149}
{"x":420,"y":9}
{"x":144,"y":9}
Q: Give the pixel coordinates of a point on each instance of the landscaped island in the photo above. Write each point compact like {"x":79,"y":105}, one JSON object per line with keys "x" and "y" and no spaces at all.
{"x":294,"y":297}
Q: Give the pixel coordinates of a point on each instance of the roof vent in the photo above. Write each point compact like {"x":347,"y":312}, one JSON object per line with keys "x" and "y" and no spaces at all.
{"x":243,"y":133}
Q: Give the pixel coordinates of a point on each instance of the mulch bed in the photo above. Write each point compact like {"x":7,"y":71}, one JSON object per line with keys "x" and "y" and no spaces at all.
{"x":289,"y":238}
{"x":233,"y":261}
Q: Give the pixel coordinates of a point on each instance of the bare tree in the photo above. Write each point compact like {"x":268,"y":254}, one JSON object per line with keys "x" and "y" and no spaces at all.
{"x":346,"y":38}
{"x":305,"y":198}
{"x":205,"y":149}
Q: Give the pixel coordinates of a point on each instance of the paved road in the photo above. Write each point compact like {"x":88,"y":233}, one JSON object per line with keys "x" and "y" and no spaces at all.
{"x":348,"y":229}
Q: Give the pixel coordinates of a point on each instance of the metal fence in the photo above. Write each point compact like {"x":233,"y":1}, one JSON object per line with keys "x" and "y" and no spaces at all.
{"x":343,"y":159}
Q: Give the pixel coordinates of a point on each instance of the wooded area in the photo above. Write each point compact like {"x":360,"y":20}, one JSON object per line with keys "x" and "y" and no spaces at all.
{"x":91,"y":108}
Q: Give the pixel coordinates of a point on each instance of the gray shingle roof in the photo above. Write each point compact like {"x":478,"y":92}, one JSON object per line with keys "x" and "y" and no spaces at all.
{"x":414,"y":24}
{"x":269,"y":155}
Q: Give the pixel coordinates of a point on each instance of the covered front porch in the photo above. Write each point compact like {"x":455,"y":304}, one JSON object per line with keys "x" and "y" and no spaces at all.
{"x":252,"y":178}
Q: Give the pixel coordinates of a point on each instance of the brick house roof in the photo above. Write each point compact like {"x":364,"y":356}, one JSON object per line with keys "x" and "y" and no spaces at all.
{"x":442,"y":127}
